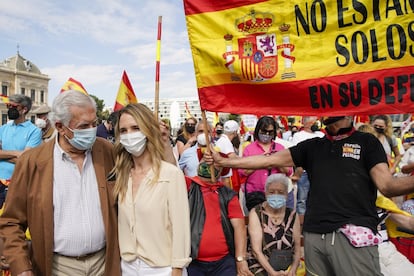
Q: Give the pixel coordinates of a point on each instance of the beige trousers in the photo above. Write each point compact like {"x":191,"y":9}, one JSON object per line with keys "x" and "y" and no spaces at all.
{"x":65,"y":266}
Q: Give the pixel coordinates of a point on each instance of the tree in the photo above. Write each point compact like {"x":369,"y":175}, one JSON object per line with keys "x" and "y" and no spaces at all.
{"x":99,"y":108}
{"x":235,"y":117}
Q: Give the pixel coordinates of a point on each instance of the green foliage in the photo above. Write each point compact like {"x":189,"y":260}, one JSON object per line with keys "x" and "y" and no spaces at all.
{"x":102,"y":115}
{"x":235,"y":117}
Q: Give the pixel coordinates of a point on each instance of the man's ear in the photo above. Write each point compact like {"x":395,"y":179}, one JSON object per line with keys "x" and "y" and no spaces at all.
{"x":58,"y":126}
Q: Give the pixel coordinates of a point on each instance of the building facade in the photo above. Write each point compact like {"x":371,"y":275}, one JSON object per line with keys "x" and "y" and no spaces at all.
{"x":20,"y":76}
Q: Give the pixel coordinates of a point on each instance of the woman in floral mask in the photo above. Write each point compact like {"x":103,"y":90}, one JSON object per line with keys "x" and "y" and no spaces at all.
{"x":264,"y":135}
{"x":274,"y":232}
{"x":153,"y":213}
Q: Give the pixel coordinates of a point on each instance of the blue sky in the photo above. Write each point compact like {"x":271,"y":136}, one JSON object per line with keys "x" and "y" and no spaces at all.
{"x":94,"y":41}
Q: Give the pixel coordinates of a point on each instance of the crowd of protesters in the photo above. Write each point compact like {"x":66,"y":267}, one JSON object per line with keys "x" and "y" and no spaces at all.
{"x":271,"y":201}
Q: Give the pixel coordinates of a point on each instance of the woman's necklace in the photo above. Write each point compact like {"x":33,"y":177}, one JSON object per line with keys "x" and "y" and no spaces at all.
{"x":276,"y":218}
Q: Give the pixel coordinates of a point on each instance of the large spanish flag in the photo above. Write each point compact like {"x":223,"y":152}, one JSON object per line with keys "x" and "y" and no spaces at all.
{"x":72,"y":84}
{"x":303,"y":57}
{"x":125,"y":94}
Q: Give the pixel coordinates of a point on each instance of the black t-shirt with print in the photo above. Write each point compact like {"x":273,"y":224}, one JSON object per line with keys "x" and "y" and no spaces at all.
{"x":341,"y":189}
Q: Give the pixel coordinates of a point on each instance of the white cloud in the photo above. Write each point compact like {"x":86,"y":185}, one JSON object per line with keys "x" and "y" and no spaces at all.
{"x":94,"y":41}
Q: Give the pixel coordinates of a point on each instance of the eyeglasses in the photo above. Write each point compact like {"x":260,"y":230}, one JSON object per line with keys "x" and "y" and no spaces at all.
{"x":267,"y":131}
{"x":190,"y":125}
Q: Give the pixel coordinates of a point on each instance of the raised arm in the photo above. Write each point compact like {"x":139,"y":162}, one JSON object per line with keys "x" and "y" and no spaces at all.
{"x":281,"y":158}
{"x":388,"y":185}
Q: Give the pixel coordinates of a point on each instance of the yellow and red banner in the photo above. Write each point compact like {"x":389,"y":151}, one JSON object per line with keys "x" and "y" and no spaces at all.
{"x":289,"y":57}
{"x":4,"y":99}
{"x":125,"y":94}
{"x":72,"y":84}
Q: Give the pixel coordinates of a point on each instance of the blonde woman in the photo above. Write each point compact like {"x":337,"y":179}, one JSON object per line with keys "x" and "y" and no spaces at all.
{"x":188,"y":137}
{"x":383,"y":130}
{"x":153,"y":213}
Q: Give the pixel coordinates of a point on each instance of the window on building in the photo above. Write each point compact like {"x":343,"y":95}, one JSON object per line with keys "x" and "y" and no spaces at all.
{"x":22,"y":90}
{"x":4,"y":89}
{"x":3,"y":119}
{"x":42,"y":96}
{"x":32,"y":95}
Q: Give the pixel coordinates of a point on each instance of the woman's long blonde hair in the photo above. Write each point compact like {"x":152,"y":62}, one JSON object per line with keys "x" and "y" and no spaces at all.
{"x":185,"y":133}
{"x":388,"y":131}
{"x":124,"y":162}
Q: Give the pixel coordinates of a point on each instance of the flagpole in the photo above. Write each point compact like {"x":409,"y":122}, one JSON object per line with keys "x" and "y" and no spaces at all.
{"x":206,"y":133}
{"x":157,"y":69}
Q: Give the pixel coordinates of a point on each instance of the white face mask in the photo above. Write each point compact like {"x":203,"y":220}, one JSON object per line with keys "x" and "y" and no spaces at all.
{"x":40,"y":123}
{"x":134,"y":143}
{"x":201,"y":140}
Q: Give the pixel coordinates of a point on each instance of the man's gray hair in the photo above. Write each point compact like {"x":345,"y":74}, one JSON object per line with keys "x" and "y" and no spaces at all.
{"x":307,"y":119}
{"x":23,"y":100}
{"x":201,"y":122}
{"x":64,"y":101}
{"x":278,"y":178}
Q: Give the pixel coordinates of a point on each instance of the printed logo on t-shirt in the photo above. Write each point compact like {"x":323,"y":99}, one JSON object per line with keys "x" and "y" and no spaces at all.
{"x":351,"y":150}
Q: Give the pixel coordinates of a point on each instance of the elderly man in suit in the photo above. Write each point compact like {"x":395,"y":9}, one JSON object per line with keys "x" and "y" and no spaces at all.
{"x":61,"y":193}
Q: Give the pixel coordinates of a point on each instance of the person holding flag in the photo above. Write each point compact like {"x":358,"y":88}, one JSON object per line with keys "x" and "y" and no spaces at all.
{"x":346,"y":168}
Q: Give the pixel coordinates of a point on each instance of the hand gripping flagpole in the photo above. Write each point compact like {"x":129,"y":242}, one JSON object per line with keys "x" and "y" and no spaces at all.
{"x":206,"y":133}
{"x":157,"y":69}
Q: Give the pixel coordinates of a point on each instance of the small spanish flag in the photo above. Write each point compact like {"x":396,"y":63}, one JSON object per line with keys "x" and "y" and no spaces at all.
{"x":126,"y":93}
{"x":4,"y":99}
{"x":72,"y":84}
{"x":216,"y":119}
{"x":187,"y":111}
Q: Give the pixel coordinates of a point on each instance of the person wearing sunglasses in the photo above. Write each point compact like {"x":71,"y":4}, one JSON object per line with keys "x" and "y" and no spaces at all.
{"x":188,"y":137}
{"x":17,"y":136}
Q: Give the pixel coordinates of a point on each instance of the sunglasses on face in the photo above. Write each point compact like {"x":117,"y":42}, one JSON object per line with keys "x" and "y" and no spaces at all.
{"x":266,"y":131}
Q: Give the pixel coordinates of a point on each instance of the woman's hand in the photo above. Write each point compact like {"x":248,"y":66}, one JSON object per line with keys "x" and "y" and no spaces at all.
{"x":243,"y":269}
{"x":176,"y":271}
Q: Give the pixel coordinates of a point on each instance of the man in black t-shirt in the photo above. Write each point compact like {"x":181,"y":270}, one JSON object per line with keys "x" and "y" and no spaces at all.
{"x":345,"y":169}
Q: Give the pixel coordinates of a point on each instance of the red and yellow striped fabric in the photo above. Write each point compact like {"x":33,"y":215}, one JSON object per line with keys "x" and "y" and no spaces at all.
{"x":125,"y":94}
{"x":72,"y":84}
{"x":302,"y":57}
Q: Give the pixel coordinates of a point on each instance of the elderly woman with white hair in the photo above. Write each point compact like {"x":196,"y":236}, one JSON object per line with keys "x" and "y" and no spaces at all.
{"x":274,"y":232}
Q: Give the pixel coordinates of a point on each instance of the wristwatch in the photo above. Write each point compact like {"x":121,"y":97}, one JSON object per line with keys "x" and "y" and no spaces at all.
{"x":240,"y":259}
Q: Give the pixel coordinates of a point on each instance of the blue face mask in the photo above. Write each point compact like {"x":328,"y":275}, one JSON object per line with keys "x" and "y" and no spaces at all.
{"x":276,"y":201}
{"x":83,"y":139}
